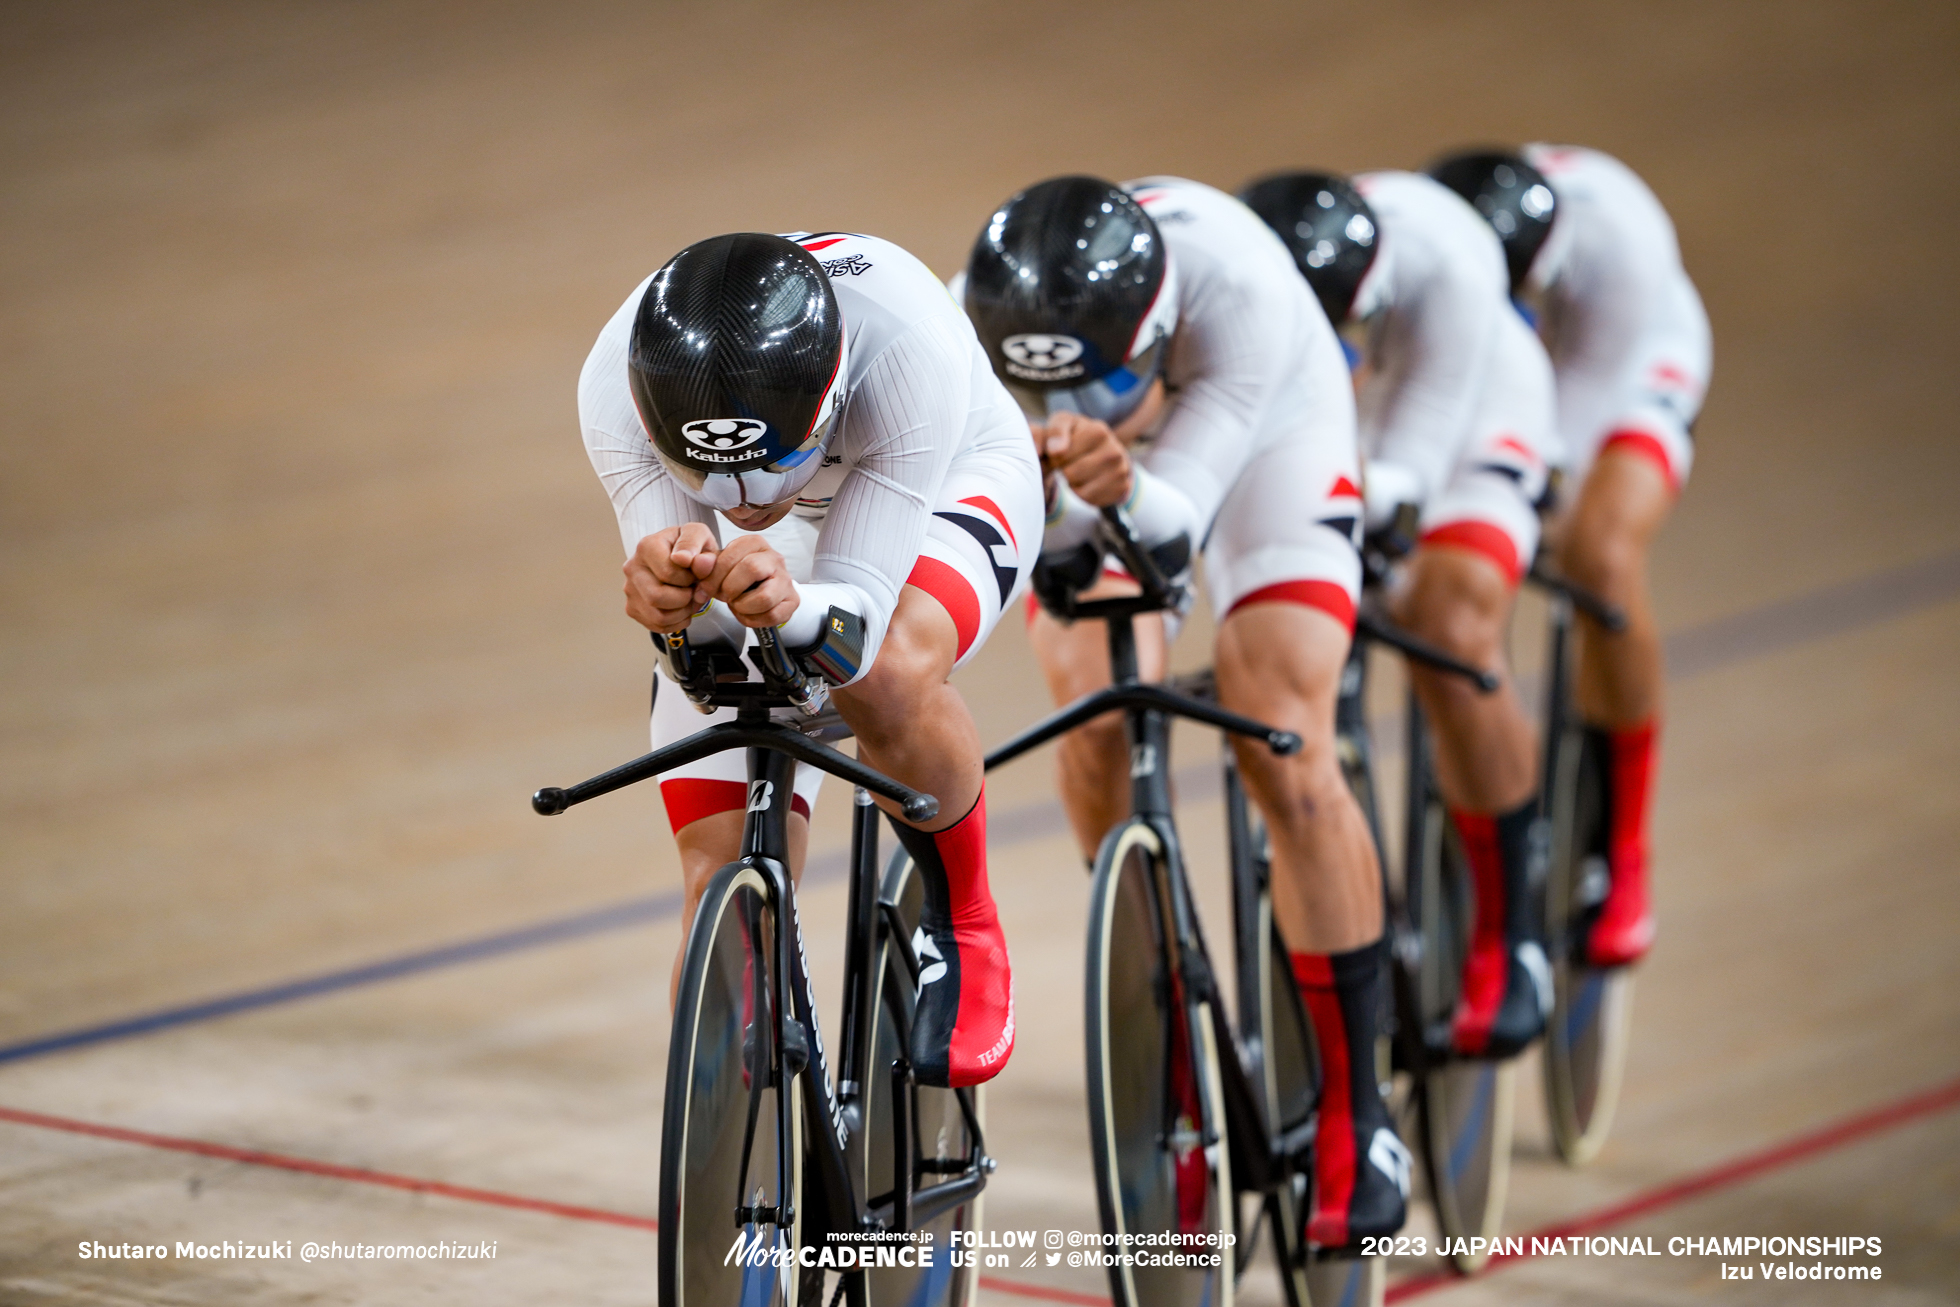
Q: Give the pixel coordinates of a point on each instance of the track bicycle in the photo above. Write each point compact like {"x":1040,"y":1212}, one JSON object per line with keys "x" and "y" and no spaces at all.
{"x":766,"y":1163}
{"x":1201,"y":1128}
{"x":1587,"y":1039}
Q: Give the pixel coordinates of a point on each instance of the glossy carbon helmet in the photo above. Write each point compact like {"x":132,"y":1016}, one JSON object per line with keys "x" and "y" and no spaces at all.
{"x":1328,"y":228}
{"x":1074,"y":297}
{"x":1513,"y":196}
{"x":737,"y":368}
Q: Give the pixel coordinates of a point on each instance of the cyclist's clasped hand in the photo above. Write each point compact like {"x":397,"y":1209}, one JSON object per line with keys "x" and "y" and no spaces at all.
{"x":1088,"y":453}
{"x":674,"y":572}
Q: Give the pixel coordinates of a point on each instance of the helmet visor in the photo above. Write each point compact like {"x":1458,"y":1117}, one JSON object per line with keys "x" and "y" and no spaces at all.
{"x":1110,"y":398}
{"x":757,"y":487}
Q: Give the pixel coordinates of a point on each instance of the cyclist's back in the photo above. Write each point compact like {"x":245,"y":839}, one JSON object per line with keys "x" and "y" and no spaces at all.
{"x":1627,"y":332}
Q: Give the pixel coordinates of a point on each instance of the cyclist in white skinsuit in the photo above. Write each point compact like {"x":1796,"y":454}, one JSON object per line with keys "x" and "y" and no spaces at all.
{"x":1172,"y":362}
{"x":1630,"y":343}
{"x":921,"y":520}
{"x":1459,"y":397}
{"x":1456,"y":418}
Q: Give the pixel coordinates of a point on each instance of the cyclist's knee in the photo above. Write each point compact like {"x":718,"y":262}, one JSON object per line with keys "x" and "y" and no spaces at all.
{"x":913,"y":662}
{"x":1604,"y":557}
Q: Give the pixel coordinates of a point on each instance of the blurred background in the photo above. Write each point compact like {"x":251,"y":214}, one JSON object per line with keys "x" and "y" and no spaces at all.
{"x":305,"y":584}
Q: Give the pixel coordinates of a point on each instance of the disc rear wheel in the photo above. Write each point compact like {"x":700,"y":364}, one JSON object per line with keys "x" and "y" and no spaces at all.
{"x":939,"y":1122}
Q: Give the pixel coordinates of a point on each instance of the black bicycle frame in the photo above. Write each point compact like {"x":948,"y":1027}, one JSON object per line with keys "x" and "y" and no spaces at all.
{"x":833,"y":1115}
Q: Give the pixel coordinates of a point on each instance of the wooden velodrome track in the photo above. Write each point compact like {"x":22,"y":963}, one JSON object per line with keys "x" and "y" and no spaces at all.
{"x":305,"y":584}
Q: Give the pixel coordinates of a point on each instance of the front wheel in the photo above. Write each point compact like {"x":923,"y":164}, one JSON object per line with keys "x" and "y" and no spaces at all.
{"x":731,"y":1152}
{"x":1592,"y":1009}
{"x":1156,"y":1106}
{"x":1464,"y":1107}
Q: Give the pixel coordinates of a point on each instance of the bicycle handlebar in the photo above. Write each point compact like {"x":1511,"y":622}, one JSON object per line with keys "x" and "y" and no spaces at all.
{"x":1370,"y":627}
{"x":1604,"y":611}
{"x":786,"y":683}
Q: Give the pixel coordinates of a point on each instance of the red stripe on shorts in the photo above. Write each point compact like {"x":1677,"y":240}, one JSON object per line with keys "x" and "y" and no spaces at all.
{"x":1324,"y":595}
{"x":953,"y":594}
{"x":1640,"y":442}
{"x":1493,"y":542}
{"x":691,"y":798}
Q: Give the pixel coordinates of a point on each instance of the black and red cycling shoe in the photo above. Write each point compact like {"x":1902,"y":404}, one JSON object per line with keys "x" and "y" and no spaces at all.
{"x":963,"y":1026}
{"x":1361,"y":1168}
{"x":1622,"y":929}
{"x":1506,"y":993}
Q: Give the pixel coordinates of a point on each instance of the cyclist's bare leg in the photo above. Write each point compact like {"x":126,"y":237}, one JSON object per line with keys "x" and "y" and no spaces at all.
{"x":1486,"y":767}
{"x":1460,"y":601}
{"x":1280,"y":663}
{"x":913,"y":726}
{"x":709,"y":844}
{"x":1625,"y":499}
{"x":1092,"y":762}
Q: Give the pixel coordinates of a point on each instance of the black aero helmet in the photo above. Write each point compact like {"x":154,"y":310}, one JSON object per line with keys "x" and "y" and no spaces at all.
{"x":1513,"y":196}
{"x":1327,"y":227}
{"x":1073,"y":295}
{"x":737,"y":368}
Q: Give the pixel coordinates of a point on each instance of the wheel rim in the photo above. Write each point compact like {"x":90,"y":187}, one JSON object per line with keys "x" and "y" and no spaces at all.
{"x":1465,"y":1106}
{"x":940,"y":1125}
{"x":1586,"y":1043}
{"x":1155,"y":1175}
{"x":719,"y":1082}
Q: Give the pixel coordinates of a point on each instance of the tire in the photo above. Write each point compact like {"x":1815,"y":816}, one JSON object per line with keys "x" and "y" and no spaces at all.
{"x":722,"y":1098}
{"x":1155,"y":1093}
{"x":1464,"y":1107}
{"x":1592,"y":1008}
{"x":940,"y":1124}
{"x":1348,"y":1281}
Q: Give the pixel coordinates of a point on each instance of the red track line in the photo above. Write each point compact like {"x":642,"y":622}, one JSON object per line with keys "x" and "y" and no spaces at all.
{"x":1043,"y":1292}
{"x":306,"y":1166}
{"x":1850,"y":1130}
{"x":1747,"y":1167}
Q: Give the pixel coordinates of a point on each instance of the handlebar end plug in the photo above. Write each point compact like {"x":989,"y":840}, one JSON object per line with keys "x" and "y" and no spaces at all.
{"x":1283,"y":743}
{"x":549,"y":801}
{"x":921,"y":807}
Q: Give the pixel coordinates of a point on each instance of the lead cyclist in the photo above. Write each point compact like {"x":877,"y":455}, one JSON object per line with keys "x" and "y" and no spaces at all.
{"x":802,"y":433}
{"x":1589,"y":244}
{"x":1171,"y":361}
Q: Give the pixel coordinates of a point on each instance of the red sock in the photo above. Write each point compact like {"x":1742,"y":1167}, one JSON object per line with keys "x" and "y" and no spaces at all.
{"x":1624,"y":930}
{"x":1485,"y":966}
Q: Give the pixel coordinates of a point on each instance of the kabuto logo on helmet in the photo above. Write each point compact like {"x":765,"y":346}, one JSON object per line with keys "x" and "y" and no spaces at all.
{"x":723,"y":440}
{"x":1039,"y":356}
